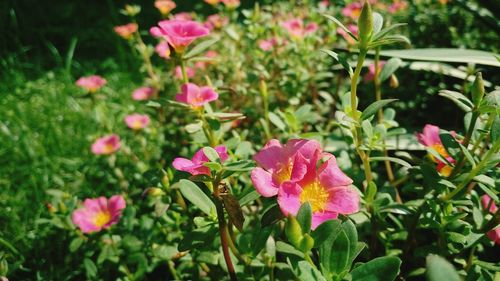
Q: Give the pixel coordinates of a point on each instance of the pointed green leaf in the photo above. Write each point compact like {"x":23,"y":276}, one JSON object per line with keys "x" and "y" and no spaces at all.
{"x":304,"y":217}
{"x":389,"y":68}
{"x":374,"y":107}
{"x":195,"y":195}
{"x":438,"y":269}
{"x":378,"y":269}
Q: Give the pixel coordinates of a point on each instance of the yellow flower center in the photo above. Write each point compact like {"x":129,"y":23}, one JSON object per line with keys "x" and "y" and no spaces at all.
{"x":108,"y":148}
{"x":284,"y":172}
{"x":439,"y":148}
{"x":136,"y":125}
{"x":316,"y":195}
{"x":102,"y":218}
{"x":446,"y":170}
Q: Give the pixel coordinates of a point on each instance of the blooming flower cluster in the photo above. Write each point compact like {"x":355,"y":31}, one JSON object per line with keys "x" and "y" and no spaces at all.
{"x":196,"y":96}
{"x":299,"y":172}
{"x":126,"y":31}
{"x":296,"y":28}
{"x":430,"y":138}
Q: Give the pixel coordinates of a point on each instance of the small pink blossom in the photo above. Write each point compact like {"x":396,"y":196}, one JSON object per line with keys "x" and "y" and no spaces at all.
{"x":163,"y":49}
{"x":179,"y":33}
{"x":143,"y":93}
{"x":397,"y":6}
{"x":99,"y":213}
{"x":165,"y":6}
{"x":106,"y":145}
{"x":231,"y":4}
{"x":190,"y":72}
{"x":324,"y":3}
{"x":371,"y":71}
{"x":196,"y":96}
{"x":126,"y":31}
{"x":195,"y":165}
{"x":352,"y":10}
{"x":297,"y":29}
{"x":430,"y":138}
{"x":493,"y":234}
{"x":183,"y":16}
{"x":137,"y":121}
{"x":280,"y":163}
{"x":215,"y":21}
{"x":268,"y":44}
{"x":91,"y":83}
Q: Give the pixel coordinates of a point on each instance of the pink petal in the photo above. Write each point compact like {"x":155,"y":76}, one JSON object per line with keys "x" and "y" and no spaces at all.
{"x":263,"y":182}
{"x":222,"y":151}
{"x":208,"y":94}
{"x":116,"y":203}
{"x":320,"y":217}
{"x":330,"y":174}
{"x":306,"y":147}
{"x":270,"y":155}
{"x":299,"y":168}
{"x":182,"y":163}
{"x":289,"y":198}
{"x":494,"y":235}
{"x":343,"y":200}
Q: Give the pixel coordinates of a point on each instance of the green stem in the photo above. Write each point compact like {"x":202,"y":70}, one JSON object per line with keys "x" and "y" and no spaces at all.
{"x":184,"y":72}
{"x":468,"y":136}
{"x":309,"y":260}
{"x":472,"y":173}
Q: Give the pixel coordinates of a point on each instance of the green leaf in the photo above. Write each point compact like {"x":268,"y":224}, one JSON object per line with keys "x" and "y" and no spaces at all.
{"x":378,"y":269}
{"x":327,"y":230}
{"x":211,"y":154}
{"x":341,"y":26}
{"x":200,"y":47}
{"x":90,"y":268}
{"x":352,"y":234}
{"x":239,"y":166}
{"x":386,"y":31}
{"x":458,"y":98}
{"x":271,"y":215}
{"x":339,"y":256}
{"x":495,"y":130}
{"x":213,"y":166}
{"x":389,"y":68}
{"x":276,"y":120}
{"x":194,"y":127}
{"x":249,"y":197}
{"x":341,"y":59}
{"x":304,"y":217}
{"x":445,"y":55}
{"x":75,"y":244}
{"x":378,"y":23}
{"x":374,"y":107}
{"x":283,"y":247}
{"x":439,"y":269}
{"x":195,"y":195}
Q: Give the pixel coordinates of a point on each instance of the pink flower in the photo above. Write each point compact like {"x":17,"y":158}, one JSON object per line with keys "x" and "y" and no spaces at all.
{"x":195,"y":165}
{"x":189,"y":71}
{"x":301,"y":172}
{"x":91,"y":83}
{"x":163,"y":49}
{"x":268,"y":45}
{"x":99,"y":213}
{"x":106,"y":145}
{"x":126,"y":31}
{"x":371,"y":71}
{"x":430,"y":138}
{"x":296,"y":28}
{"x":143,"y":93}
{"x":493,"y":234}
{"x":137,"y":121}
{"x":179,"y":34}
{"x":215,"y":22}
{"x":280,"y":163}
{"x":324,"y":3}
{"x":165,"y":6}
{"x":196,"y":96}
{"x":352,"y":10}
{"x":397,"y":6}
{"x":231,"y":4}
{"x":353,"y":29}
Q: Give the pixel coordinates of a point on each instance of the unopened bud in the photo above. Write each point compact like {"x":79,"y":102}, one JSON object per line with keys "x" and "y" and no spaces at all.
{"x":293,"y":231}
{"x":365,"y":25}
{"x":477,"y":89}
{"x":153,"y":192}
{"x":393,"y":81}
{"x":306,"y":244}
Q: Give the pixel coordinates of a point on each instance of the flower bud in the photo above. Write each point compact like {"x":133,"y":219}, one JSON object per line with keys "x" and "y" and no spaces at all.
{"x":365,"y":25}
{"x":393,"y":81}
{"x":306,"y":243}
{"x":477,"y":89}
{"x":293,"y":231}
{"x":153,"y":192}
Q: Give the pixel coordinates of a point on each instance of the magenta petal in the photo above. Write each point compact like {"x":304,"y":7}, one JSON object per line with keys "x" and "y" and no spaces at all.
{"x":343,"y":200}
{"x":330,"y":174}
{"x":494,"y":235}
{"x":320,"y":217}
{"x":222,"y":151}
{"x":182,"y":164}
{"x":155,"y":31}
{"x":116,"y":203}
{"x":299,"y":169}
{"x":263,"y":182}
{"x":306,"y":147}
{"x":208,"y":94}
{"x":270,"y":155}
{"x":289,"y":198}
